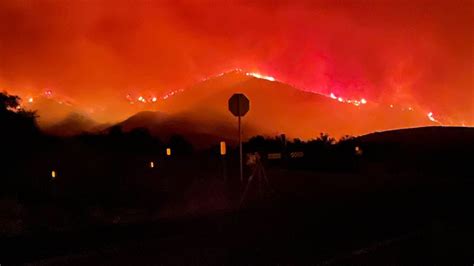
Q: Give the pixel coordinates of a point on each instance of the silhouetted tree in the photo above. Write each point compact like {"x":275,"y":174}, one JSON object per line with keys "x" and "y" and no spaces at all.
{"x":19,"y":135}
{"x":180,"y":145}
{"x":256,"y":143}
{"x":346,"y":138}
{"x":115,"y":131}
{"x":346,"y":146}
{"x":16,"y":122}
{"x":326,"y":139}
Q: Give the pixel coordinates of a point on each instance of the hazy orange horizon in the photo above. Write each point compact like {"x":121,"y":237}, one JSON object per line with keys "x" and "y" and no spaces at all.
{"x":95,"y":53}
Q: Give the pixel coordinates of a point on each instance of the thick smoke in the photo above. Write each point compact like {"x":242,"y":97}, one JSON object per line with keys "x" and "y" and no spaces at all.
{"x":400,"y":52}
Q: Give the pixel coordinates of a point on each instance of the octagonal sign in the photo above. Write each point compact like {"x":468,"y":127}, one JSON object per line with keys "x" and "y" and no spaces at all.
{"x":239,"y":104}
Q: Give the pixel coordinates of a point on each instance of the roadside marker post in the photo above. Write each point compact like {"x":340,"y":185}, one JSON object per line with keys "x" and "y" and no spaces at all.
{"x":223,"y":151}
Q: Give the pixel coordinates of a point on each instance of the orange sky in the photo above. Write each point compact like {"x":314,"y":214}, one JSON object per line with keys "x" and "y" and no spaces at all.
{"x":387,"y":51}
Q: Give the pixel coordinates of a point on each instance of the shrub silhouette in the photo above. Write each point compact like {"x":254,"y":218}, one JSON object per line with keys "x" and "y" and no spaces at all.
{"x":18,"y":134}
{"x":15,"y":121}
{"x":180,"y":145}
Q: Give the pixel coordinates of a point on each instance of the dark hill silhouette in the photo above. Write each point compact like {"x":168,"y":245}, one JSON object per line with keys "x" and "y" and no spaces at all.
{"x":437,"y":150}
{"x":148,"y":118}
{"x":74,"y":124}
{"x":435,"y":136}
{"x":276,"y":108}
{"x":201,"y":130}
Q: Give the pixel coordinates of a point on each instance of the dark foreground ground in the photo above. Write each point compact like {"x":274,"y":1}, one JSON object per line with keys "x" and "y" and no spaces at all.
{"x":330,"y":219}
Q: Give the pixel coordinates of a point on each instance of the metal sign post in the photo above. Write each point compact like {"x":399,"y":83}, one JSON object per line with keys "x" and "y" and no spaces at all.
{"x":239,"y":105}
{"x":240,"y":153}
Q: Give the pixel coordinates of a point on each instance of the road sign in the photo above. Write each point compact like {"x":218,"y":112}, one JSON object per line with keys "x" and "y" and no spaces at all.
{"x":297,"y":154}
{"x":274,"y":156}
{"x":239,"y":104}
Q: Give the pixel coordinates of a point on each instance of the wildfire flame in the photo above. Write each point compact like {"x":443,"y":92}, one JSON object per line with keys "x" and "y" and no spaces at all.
{"x":430,"y":117}
{"x":144,"y":98}
{"x":351,"y":101}
{"x":259,"y":76}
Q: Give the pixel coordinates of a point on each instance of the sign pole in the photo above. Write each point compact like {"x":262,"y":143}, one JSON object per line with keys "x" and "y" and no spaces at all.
{"x":240,"y":153}
{"x":239,"y":105}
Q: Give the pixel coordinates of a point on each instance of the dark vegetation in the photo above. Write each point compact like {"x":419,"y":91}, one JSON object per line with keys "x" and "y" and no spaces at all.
{"x":398,"y":178}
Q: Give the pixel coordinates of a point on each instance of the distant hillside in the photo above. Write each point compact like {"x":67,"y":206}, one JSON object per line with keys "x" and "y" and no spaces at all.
{"x":278,"y":108}
{"x":201,"y":132}
{"x":423,"y":136}
{"x":50,"y":111}
{"x":445,"y":151}
{"x":147,"y":119}
{"x":73,"y":124}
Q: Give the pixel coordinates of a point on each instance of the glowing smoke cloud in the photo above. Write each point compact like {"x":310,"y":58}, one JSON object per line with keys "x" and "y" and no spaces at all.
{"x":388,"y":52}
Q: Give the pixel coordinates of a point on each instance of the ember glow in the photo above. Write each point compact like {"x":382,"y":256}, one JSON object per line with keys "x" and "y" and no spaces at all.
{"x":403,"y":55}
{"x":356,"y":102}
{"x":260,"y":76}
{"x":430,"y":117}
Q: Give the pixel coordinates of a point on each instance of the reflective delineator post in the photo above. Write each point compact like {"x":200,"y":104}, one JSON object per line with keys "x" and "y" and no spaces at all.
{"x":223,"y":151}
{"x":223,"y":148}
{"x":358,"y":151}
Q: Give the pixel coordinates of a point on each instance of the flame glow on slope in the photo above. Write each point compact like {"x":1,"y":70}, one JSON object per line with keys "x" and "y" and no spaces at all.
{"x":29,"y":99}
{"x":430,"y":117}
{"x":260,"y":76}
{"x":338,"y":98}
{"x":351,"y":101}
{"x":142,"y":98}
{"x":153,"y":98}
